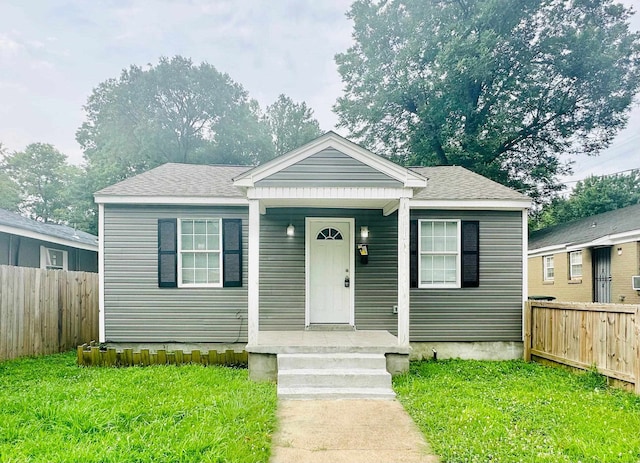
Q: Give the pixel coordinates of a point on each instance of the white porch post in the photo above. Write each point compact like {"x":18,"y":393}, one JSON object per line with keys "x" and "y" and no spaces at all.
{"x":101,"y":329}
{"x":403,"y":272}
{"x":253,"y":277}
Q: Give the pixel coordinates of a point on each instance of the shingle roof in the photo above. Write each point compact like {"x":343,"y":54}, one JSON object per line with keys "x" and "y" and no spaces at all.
{"x":11,"y":219}
{"x":184,"y":180}
{"x":458,"y":183}
{"x":588,"y":229}
{"x":216,"y":181}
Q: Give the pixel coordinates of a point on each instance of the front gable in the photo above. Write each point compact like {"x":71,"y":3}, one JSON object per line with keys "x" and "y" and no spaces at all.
{"x":330,"y":161}
{"x":329,"y":168}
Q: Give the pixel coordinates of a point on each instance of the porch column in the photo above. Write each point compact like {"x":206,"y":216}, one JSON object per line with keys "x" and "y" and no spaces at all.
{"x":403,"y":272}
{"x":253,"y":276}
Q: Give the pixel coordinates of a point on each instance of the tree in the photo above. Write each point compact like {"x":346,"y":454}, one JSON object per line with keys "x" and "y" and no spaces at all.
{"x":41,"y":175}
{"x":592,"y":196}
{"x":175,"y":111}
{"x":291,"y":124}
{"x":9,"y":194}
{"x":502,"y":87}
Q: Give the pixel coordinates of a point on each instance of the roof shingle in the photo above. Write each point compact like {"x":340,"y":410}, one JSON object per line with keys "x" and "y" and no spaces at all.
{"x":11,"y":219}
{"x":587,"y":229}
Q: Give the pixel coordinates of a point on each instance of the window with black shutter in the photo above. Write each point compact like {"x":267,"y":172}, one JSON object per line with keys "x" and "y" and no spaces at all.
{"x":413,"y":253}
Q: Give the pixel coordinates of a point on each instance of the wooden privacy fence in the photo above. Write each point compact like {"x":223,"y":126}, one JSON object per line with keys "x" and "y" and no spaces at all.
{"x":92,"y":355}
{"x":582,"y":335}
{"x":46,"y":311}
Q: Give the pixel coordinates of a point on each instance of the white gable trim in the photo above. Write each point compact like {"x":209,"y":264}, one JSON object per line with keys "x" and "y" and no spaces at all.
{"x":332,"y":140}
{"x":48,"y":238}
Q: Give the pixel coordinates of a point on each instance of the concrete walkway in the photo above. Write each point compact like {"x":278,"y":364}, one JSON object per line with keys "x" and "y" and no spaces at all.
{"x":354,"y":431}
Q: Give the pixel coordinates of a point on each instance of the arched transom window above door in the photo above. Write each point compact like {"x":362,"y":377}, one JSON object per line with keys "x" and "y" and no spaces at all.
{"x":329,"y":233}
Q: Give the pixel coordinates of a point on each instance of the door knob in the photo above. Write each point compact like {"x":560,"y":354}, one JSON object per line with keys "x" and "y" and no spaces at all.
{"x":346,"y":282}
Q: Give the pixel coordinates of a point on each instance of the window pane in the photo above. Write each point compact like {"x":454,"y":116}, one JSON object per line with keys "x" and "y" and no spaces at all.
{"x":213,"y":242}
{"x":426,"y":234}
{"x":200,"y":276}
{"x":187,"y":260}
{"x":450,"y":269}
{"x":213,"y":227}
{"x":200,"y":227}
{"x":187,"y":242}
{"x":213,"y":260}
{"x":188,"y":276}
{"x":200,"y":242}
{"x":187,"y":227}
{"x":214,"y":276}
{"x":201,"y":260}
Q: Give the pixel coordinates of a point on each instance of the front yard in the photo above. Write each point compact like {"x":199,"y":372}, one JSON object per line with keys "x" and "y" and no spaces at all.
{"x":51,"y":410}
{"x":517,"y":412}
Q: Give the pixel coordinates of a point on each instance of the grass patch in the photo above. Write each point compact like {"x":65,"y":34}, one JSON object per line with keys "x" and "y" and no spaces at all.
{"x":52,"y":410}
{"x":513,"y":411}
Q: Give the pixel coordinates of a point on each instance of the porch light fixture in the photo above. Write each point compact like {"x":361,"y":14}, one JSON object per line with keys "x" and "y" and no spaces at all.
{"x":291,"y":230}
{"x":364,"y":232}
{"x":619,"y":251}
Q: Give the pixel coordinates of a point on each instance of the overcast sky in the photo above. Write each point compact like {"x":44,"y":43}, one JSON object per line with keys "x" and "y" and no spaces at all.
{"x":54,"y":52}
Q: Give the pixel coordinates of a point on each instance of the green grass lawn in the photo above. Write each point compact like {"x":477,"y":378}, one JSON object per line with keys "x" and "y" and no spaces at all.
{"x":517,"y":412}
{"x":53,"y":411}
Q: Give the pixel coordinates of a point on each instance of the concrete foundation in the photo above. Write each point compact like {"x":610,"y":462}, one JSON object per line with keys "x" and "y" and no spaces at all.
{"x":397,"y":364}
{"x":489,"y":350}
{"x":263,"y":367}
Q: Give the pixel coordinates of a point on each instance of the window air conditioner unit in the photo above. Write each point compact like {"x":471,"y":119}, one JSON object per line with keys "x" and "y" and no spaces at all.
{"x":635,"y":282}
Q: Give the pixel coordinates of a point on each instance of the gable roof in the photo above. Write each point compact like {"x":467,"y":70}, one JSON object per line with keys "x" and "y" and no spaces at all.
{"x":603,"y":229}
{"x":172,"y":180}
{"x":458,"y":183}
{"x":15,"y":224}
{"x":331,"y":140}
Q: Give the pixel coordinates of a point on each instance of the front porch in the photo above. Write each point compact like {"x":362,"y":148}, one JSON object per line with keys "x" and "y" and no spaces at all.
{"x":263,"y":353}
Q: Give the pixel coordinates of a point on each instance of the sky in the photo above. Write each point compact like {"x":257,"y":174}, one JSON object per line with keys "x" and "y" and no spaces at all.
{"x":54,"y":52}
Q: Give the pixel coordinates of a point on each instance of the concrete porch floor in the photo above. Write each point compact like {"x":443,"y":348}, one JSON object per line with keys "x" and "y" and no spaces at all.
{"x":291,"y":342}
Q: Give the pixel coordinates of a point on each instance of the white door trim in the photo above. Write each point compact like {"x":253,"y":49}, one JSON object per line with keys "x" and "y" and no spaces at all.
{"x":352,"y":249}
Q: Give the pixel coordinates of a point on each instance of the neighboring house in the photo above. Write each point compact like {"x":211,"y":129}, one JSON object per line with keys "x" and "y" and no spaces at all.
{"x":28,"y":243}
{"x":327,"y":236}
{"x":588,"y":260}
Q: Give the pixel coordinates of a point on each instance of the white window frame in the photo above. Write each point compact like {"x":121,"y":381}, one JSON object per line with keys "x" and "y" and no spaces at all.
{"x":572,"y":275}
{"x":180,"y":251}
{"x":45,"y":258}
{"x":546,"y":267}
{"x":457,"y":283}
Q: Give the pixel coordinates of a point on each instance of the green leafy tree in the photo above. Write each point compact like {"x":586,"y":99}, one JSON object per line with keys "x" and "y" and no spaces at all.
{"x":9,"y":193}
{"x":175,"y":111}
{"x":502,"y":87}
{"x":292,"y":124}
{"x":592,"y":196}
{"x":41,"y":175}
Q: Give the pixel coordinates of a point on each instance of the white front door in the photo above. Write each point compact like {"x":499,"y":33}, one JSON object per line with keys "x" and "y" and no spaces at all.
{"x":329,"y":277}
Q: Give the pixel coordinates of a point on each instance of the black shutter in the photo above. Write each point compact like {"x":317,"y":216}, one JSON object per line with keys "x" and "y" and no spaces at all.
{"x":167,"y":253}
{"x":413,"y":253}
{"x":470,"y":253}
{"x":232,"y":252}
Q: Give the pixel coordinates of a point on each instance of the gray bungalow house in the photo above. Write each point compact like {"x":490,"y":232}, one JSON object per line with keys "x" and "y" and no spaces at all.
{"x":28,"y":243}
{"x":327,"y":246}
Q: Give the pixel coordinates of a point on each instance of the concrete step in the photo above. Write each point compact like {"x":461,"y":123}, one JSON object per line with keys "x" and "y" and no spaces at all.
{"x":337,"y":360}
{"x":306,"y":393}
{"x":335,"y":377}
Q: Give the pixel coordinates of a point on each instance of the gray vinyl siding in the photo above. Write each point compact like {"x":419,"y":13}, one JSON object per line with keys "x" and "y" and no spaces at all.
{"x":282,"y":269}
{"x":329,"y":167}
{"x":491,"y":312}
{"x":25,"y":252}
{"x":137,"y":310}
